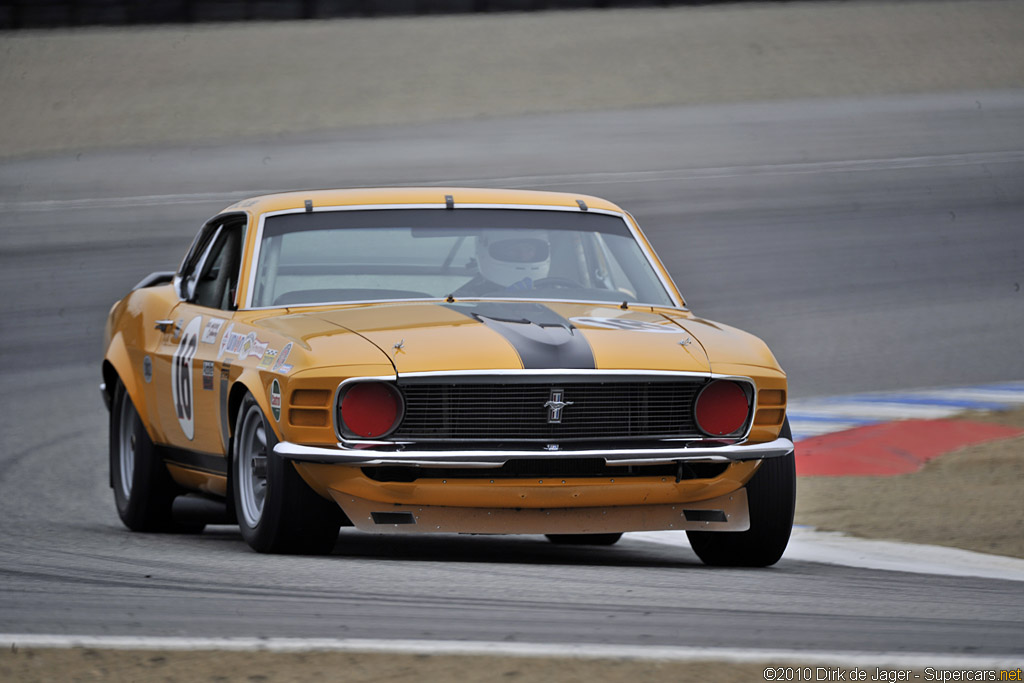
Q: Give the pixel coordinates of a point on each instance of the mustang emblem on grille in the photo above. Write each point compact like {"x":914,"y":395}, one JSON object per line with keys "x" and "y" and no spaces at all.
{"x":555,"y":405}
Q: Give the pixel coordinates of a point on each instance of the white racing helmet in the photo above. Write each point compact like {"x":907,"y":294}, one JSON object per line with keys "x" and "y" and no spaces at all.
{"x":506,"y":257}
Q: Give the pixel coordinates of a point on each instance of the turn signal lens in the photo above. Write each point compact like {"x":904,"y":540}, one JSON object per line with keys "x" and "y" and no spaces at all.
{"x":370,"y":410}
{"x":722,"y":408}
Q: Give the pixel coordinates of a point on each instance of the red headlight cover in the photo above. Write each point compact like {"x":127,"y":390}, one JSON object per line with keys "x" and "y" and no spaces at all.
{"x":722,"y":408}
{"x":370,"y":410}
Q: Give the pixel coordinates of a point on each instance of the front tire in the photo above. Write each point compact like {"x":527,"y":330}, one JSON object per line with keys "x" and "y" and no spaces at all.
{"x":771,"y":498}
{"x":143,"y":489}
{"x":277,"y":511}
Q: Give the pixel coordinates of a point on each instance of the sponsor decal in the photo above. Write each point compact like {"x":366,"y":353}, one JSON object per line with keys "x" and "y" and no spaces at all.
{"x":211,"y":330}
{"x":235,"y":343}
{"x":225,"y":340}
{"x":259,"y":348}
{"x":275,"y":399}
{"x":627,"y":324}
{"x":246,"y":346}
{"x":181,"y":376}
{"x":251,"y":346}
{"x":225,"y":371}
{"x":177,"y":328}
{"x":230,"y":341}
{"x":147,"y":369}
{"x":269,"y":356}
{"x":207,"y":375}
{"x":282,"y":358}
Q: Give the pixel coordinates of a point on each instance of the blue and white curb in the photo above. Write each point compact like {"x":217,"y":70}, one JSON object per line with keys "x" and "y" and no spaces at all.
{"x":815,"y":416}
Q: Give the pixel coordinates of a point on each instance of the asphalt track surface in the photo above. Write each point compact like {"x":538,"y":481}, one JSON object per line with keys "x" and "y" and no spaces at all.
{"x":875,"y":244}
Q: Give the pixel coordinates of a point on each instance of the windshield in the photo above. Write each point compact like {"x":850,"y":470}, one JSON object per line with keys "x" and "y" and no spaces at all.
{"x":342,"y":256}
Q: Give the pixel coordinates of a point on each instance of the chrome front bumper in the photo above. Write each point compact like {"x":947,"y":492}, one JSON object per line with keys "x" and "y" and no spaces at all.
{"x":411,"y":456}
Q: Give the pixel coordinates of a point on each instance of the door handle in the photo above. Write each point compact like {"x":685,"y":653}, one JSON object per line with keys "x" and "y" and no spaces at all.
{"x":163,"y":325}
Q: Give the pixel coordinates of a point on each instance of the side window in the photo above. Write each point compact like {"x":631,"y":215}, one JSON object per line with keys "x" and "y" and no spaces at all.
{"x":210,"y":275}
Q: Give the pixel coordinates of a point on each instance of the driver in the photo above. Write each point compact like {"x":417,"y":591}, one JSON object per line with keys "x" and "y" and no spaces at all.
{"x":509,"y":260}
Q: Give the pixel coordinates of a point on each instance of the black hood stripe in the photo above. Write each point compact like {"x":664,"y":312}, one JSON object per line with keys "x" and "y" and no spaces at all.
{"x":543,"y":339}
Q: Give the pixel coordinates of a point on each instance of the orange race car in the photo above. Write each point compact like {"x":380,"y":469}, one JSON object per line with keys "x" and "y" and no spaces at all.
{"x":442,"y":360}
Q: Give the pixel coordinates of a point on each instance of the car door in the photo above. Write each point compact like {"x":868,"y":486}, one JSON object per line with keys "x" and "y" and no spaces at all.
{"x":188,"y":369}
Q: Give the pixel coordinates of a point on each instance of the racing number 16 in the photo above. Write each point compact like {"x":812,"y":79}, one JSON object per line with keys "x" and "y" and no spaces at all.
{"x":181,"y":376}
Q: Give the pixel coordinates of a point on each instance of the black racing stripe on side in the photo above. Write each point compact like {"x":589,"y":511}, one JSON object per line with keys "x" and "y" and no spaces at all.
{"x":201,"y":462}
{"x":542,"y":338}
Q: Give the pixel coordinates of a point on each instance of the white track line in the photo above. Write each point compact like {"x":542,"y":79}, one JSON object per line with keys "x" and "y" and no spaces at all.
{"x":597,"y":178}
{"x":868,"y":660}
{"x":828,"y":547}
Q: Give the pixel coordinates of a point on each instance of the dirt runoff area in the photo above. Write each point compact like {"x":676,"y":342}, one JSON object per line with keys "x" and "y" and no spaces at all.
{"x":966,"y":499}
{"x":73,"y":89}
{"x":84,"y":664}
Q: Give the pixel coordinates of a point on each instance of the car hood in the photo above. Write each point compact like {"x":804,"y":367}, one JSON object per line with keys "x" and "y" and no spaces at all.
{"x":438,"y":336}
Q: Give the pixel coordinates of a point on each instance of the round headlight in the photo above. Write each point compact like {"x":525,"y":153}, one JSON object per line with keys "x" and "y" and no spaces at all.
{"x":369,"y":410}
{"x":722,"y":408}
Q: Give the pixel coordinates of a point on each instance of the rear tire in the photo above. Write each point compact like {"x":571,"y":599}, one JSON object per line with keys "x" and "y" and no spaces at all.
{"x":771,"y":497}
{"x":584,"y":539}
{"x":143,"y":489}
{"x":277,"y":511}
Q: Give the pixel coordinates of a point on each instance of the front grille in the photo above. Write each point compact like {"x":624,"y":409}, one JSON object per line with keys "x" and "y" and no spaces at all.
{"x":547,"y":468}
{"x":516,"y":412}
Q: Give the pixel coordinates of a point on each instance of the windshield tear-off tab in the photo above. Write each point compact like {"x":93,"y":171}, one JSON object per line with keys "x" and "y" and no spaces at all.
{"x":449,"y":201}
{"x":583,"y":204}
{"x":309,"y":206}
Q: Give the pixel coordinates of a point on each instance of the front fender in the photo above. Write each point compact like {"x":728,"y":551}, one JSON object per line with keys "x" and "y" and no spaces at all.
{"x":250,"y":381}
{"x":117,"y":365}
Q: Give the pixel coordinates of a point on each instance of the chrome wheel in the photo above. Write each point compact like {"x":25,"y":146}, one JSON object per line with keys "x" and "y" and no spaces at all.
{"x":251,"y":466}
{"x":143,"y":489}
{"x":277,"y":511}
{"x":127,"y":446}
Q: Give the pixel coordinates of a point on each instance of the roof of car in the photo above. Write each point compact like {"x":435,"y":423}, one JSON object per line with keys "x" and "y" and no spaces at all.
{"x":418,"y":195}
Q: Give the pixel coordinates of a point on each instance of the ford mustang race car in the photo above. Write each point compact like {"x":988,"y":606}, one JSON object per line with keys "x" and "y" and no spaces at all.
{"x":422,"y":360}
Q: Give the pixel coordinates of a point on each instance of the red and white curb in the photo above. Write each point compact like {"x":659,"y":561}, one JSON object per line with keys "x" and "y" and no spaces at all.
{"x":815,"y":416}
{"x":882,"y":434}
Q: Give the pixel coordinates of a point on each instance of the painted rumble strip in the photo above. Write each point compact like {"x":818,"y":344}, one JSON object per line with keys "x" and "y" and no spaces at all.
{"x":813,"y":417}
{"x":892,"y":448}
{"x":884,"y":434}
{"x":486,"y":648}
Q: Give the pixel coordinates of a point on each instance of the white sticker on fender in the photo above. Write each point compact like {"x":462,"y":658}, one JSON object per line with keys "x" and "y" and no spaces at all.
{"x":211,"y":330}
{"x":181,"y":376}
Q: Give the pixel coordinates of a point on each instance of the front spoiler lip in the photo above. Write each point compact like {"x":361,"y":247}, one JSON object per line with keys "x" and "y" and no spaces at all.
{"x":481,"y":458}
